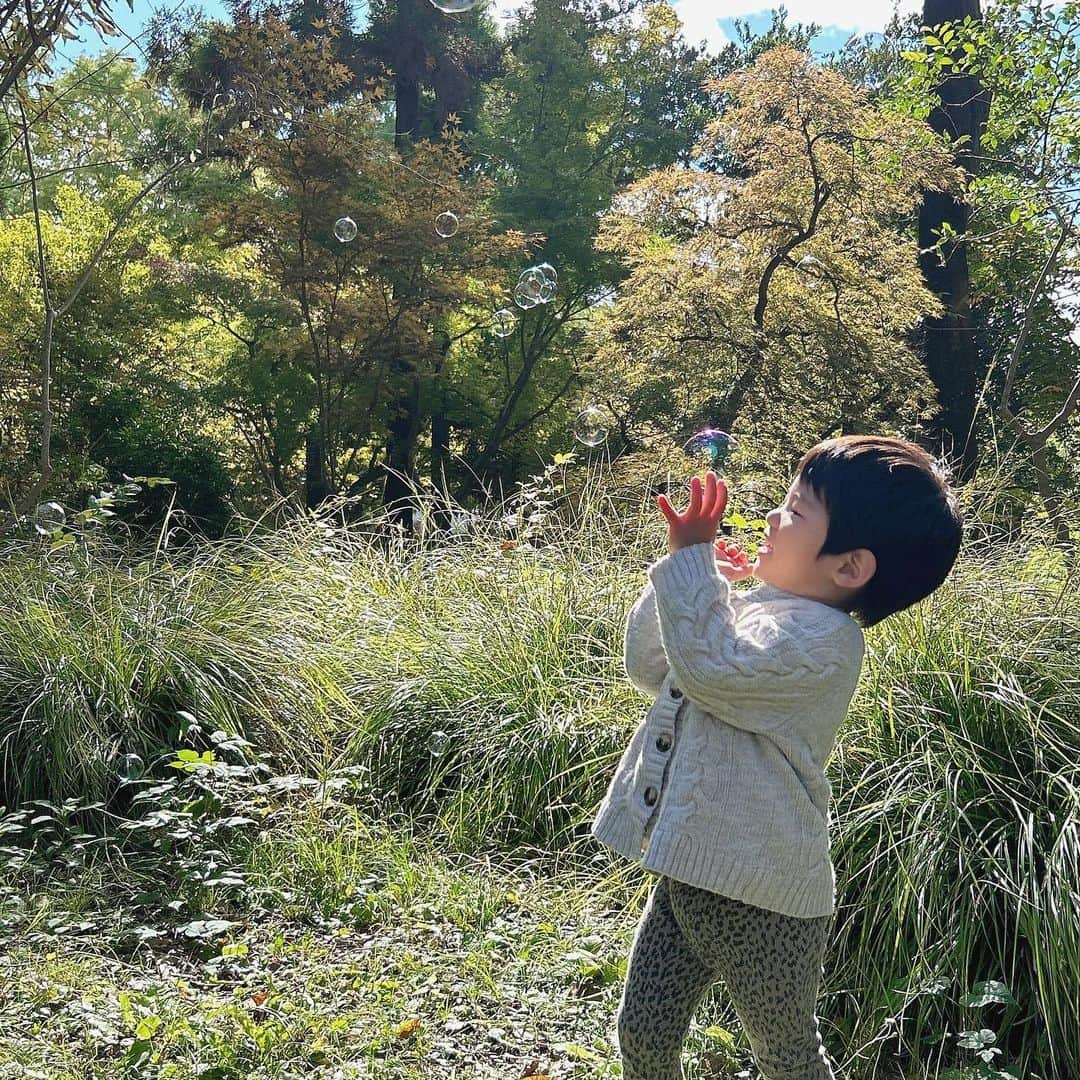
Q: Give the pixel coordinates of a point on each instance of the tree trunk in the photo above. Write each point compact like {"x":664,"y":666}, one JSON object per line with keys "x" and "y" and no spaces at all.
{"x":952,"y":350}
{"x":402,"y":433}
{"x":316,"y":486}
{"x":1049,"y":495}
{"x":406,"y":81}
{"x":440,"y":451}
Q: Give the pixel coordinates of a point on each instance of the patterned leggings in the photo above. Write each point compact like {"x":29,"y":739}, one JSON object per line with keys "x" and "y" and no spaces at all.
{"x":771,"y":965}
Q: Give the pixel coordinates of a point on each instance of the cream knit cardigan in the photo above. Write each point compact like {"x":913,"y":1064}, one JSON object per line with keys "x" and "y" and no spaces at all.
{"x":723,"y":783}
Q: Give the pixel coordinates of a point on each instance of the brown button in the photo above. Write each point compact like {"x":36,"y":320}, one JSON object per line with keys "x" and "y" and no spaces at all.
{"x":663,"y":743}
{"x":676,"y":692}
{"x":650,"y":796}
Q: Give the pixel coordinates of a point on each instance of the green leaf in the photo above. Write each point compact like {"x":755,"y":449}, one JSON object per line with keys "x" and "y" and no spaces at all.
{"x":976,"y":1040}
{"x":147,"y":1027}
{"x":986,"y":992}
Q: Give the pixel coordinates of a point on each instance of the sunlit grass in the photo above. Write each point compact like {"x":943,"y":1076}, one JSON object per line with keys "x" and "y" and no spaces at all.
{"x":330,"y":648}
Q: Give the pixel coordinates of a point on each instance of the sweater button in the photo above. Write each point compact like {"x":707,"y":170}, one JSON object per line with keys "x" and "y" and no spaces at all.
{"x":676,"y":692}
{"x":663,"y":743}
{"x":650,"y":796}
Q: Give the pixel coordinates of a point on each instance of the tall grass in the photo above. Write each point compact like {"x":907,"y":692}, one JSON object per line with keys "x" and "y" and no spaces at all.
{"x":955,"y":780}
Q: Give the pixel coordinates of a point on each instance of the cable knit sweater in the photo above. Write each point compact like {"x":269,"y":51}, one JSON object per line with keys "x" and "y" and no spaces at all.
{"x":723,"y":783}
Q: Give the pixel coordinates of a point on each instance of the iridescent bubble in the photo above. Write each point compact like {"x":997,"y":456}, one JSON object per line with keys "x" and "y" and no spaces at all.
{"x":503,"y":322}
{"x":129,"y":767}
{"x":345,"y":229}
{"x":710,"y":448}
{"x":808,"y":262}
{"x":446,"y":224}
{"x":590,"y":427}
{"x":532,"y":282}
{"x":547,"y":291}
{"x":523,"y":299}
{"x":549,"y":272}
{"x":48,"y":517}
{"x":456,"y":7}
{"x":438,"y":743}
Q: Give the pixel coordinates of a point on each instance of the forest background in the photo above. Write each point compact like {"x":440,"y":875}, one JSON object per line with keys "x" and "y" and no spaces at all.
{"x":317,"y":546}
{"x":207,"y":327}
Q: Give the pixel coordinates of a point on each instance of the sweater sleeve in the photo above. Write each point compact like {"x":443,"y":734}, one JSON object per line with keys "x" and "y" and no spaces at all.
{"x":754,"y":674}
{"x":643,"y":654}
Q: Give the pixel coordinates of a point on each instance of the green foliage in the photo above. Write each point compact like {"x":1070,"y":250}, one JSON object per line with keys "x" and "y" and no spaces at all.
{"x":1022,"y":197}
{"x":789,"y":274}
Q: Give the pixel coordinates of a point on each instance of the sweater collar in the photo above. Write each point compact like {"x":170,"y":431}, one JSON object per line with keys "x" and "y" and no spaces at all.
{"x":766,"y":591}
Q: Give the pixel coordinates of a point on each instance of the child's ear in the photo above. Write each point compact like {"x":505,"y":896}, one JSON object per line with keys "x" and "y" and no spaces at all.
{"x":856,"y":568}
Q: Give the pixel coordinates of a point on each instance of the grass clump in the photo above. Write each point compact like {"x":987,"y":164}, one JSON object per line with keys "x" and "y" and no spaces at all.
{"x":316,"y":705}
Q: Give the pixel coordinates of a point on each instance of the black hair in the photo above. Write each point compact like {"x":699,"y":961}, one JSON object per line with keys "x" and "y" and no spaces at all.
{"x":890,"y":496}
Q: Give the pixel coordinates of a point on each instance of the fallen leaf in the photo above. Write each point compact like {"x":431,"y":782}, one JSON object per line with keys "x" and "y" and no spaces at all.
{"x":406,"y":1028}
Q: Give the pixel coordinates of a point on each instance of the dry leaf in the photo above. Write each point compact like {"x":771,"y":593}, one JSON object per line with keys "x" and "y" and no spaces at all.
{"x":405,"y":1029}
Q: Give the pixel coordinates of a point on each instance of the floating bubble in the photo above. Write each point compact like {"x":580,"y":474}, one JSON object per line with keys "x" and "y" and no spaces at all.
{"x":710,"y":447}
{"x":48,"y":517}
{"x":536,"y":285}
{"x":456,"y":7}
{"x":549,"y":272}
{"x":129,"y":767}
{"x":523,"y":298}
{"x":808,"y":262}
{"x":532,"y":281}
{"x":503,"y":322}
{"x":438,"y":743}
{"x":591,"y":426}
{"x":447,"y":224}
{"x":345,"y":229}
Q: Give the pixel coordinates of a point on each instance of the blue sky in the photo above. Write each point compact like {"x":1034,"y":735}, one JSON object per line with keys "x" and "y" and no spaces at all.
{"x":703,"y":20}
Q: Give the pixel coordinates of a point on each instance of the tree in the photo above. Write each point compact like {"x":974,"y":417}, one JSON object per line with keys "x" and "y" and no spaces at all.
{"x":371,"y":313}
{"x":162,"y":159}
{"x":28,"y":30}
{"x":1022,"y":225}
{"x":590,"y":101}
{"x":951,"y":344}
{"x":774,"y":303}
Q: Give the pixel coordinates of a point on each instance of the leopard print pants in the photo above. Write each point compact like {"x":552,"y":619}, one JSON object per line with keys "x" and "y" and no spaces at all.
{"x":771,"y":965}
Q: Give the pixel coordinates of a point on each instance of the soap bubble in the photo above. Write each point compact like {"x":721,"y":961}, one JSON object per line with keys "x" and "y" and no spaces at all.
{"x":456,"y":7}
{"x":503,"y":322}
{"x":446,"y":224}
{"x":523,"y":298}
{"x":536,"y":285}
{"x":48,"y":517}
{"x":591,"y":426}
{"x":129,"y":767}
{"x":710,"y":448}
{"x":345,"y":229}
{"x":808,"y":262}
{"x":439,"y":743}
{"x":532,"y":281}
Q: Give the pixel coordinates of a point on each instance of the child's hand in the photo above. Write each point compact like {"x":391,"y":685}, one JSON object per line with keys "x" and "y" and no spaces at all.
{"x":698,"y":524}
{"x":732,"y":561}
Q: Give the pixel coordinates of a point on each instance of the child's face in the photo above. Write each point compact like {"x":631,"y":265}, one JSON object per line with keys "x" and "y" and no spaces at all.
{"x":789,"y":557}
